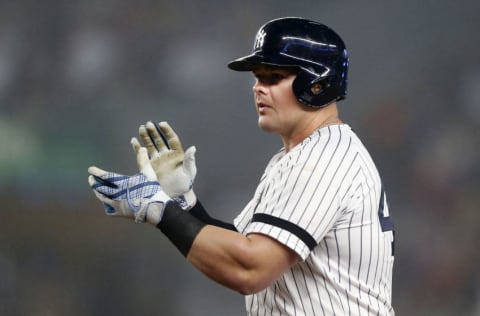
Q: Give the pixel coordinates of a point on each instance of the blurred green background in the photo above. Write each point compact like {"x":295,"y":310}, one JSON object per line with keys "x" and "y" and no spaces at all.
{"x":77,"y":78}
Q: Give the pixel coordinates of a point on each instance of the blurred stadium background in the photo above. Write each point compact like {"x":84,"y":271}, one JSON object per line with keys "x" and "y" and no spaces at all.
{"x":78,"y":77}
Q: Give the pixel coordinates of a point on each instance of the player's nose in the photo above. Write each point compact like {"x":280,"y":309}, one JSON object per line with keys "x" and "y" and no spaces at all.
{"x":258,"y":88}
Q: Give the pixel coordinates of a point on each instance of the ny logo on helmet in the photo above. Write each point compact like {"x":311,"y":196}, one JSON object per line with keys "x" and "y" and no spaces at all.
{"x":259,"y":39}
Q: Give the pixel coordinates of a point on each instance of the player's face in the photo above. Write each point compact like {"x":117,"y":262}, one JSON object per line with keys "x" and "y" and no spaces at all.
{"x":278,"y":109}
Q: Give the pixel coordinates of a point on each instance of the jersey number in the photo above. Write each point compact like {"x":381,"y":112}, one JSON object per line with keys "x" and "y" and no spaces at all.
{"x":385,"y":219}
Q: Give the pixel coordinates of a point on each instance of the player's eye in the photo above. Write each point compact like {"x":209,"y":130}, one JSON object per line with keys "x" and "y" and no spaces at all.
{"x":270,"y":79}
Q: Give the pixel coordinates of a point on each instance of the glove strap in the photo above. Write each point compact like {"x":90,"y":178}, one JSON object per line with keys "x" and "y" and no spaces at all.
{"x":154,"y":210}
{"x":187,"y":200}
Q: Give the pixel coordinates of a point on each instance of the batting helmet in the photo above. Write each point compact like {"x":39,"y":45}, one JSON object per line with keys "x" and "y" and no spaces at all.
{"x":316,"y":50}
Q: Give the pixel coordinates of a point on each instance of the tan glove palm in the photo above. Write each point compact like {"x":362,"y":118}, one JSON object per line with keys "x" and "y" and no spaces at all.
{"x":175,"y":169}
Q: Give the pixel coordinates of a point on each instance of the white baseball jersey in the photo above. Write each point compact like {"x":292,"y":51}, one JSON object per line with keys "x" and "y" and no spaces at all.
{"x":324,"y":199}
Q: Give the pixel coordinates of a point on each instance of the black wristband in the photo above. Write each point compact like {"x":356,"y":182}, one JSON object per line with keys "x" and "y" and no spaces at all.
{"x":180,"y":227}
{"x":200,"y":213}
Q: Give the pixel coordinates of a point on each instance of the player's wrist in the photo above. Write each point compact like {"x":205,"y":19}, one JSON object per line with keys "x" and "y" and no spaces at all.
{"x":199,"y":212}
{"x":180,"y":227}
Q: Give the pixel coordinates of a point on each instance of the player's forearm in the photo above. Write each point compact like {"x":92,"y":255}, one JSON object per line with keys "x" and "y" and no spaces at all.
{"x":230,"y":259}
{"x":221,"y":254}
{"x":245,"y":264}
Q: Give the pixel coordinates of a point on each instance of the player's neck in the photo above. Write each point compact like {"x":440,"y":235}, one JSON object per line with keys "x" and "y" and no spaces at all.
{"x":319,"y":118}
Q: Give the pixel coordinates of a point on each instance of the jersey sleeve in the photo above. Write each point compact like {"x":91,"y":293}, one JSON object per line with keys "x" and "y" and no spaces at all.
{"x":301,"y":198}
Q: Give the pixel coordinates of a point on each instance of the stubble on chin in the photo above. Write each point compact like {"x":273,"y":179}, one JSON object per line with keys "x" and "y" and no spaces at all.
{"x":264,"y":126}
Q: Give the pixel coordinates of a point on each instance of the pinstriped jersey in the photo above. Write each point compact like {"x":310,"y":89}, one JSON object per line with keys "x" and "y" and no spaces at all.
{"x":324,"y":200}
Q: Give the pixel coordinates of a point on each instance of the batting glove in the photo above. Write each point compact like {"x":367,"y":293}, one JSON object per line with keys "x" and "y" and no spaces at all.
{"x":139,"y":196}
{"x":174,"y":168}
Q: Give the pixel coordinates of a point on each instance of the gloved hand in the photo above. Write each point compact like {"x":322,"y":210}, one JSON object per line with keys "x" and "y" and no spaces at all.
{"x":175,"y":169}
{"x":139,"y":196}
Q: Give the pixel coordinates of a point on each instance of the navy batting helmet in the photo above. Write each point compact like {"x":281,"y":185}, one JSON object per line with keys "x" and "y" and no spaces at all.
{"x":316,"y":50}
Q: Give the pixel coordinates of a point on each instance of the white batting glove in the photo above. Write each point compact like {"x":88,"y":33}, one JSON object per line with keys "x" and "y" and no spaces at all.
{"x":175,"y":169}
{"x":139,"y":196}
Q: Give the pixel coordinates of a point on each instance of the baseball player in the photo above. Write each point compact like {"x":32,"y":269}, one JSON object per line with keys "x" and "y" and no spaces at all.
{"x":316,"y":238}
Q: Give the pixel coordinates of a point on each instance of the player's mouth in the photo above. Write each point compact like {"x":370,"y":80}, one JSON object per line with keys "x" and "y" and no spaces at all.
{"x":262,"y":107}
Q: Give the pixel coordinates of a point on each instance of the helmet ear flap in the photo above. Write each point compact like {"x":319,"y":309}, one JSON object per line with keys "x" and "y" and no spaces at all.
{"x":311,"y":90}
{"x":299,"y":86}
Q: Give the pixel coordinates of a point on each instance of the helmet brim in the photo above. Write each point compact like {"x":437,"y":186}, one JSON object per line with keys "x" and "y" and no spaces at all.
{"x":246,"y":63}
{"x":250,"y":62}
